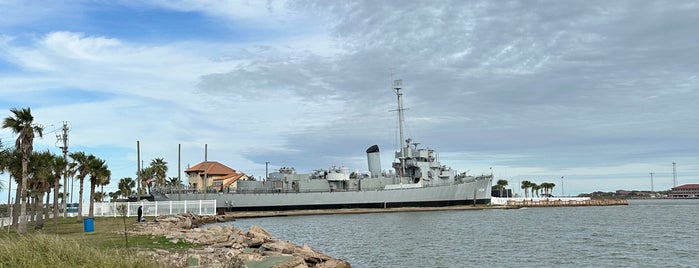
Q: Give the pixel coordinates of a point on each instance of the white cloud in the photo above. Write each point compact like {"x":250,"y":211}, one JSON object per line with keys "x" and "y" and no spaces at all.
{"x":563,"y":88}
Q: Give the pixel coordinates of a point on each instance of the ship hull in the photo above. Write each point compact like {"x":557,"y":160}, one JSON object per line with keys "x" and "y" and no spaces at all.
{"x":434,"y":196}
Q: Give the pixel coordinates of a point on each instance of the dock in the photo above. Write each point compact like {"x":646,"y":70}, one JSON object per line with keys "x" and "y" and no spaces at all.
{"x":568,"y":203}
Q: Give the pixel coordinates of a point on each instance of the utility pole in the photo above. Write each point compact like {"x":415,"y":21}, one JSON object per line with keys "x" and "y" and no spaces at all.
{"x":651,"y":183}
{"x":63,"y":137}
{"x":179,"y":169}
{"x":206,"y":168}
{"x":138,"y":171}
{"x":563,"y":193}
{"x":674,"y":175}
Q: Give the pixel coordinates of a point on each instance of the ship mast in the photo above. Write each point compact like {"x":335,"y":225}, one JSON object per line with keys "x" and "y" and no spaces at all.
{"x":397,"y":86}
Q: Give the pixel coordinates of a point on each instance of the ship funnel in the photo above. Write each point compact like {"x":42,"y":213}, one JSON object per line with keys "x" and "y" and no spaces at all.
{"x":374,"y":159}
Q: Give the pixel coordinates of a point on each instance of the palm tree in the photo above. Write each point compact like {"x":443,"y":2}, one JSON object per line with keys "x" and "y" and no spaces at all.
{"x":526,"y":185}
{"x":58,"y":166}
{"x":114,"y":195}
{"x":99,"y":196}
{"x":501,"y":185}
{"x":159,"y":167}
{"x":40,"y":181}
{"x":13,"y":165}
{"x":3,"y":156}
{"x":102,"y":183}
{"x":146,"y":174}
{"x":548,"y":187}
{"x":99,"y":172}
{"x":82,"y":169}
{"x":175,"y":182}
{"x":23,"y":124}
{"x":126,"y":186}
{"x":535,"y":188}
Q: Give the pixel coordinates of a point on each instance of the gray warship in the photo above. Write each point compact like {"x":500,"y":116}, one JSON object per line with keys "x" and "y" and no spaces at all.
{"x":418,"y":179}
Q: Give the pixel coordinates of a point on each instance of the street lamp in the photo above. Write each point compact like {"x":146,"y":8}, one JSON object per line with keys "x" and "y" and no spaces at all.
{"x":562,"y":191}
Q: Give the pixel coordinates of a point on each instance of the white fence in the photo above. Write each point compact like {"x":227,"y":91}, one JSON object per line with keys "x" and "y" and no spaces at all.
{"x":150,"y":209}
{"x":155,"y":208}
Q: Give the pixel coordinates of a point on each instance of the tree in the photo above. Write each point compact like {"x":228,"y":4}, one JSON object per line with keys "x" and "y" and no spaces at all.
{"x":547,"y":187}
{"x":4,"y":159}
{"x":174,"y":181}
{"x":99,"y":196}
{"x":40,"y":182}
{"x":114,"y":195}
{"x":159,"y":167}
{"x":526,"y":185}
{"x":102,"y":183}
{"x":535,"y":188}
{"x":82,"y":169}
{"x":23,"y":124}
{"x":99,"y":172}
{"x":146,"y":175}
{"x":122,"y":209}
{"x":126,"y":186}
{"x":3,"y":156}
{"x":13,"y":165}
{"x":551,"y":186}
{"x":501,"y":185}
{"x":58,"y":166}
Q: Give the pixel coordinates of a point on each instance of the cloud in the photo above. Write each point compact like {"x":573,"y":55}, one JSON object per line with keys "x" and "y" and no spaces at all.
{"x":599,"y":89}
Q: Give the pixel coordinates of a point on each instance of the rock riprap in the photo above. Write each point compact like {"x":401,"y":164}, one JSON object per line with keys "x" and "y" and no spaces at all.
{"x":228,"y":246}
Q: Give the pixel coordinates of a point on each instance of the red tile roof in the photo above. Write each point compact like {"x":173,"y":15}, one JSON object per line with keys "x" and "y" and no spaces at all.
{"x":687,"y":186}
{"x":211,"y":168}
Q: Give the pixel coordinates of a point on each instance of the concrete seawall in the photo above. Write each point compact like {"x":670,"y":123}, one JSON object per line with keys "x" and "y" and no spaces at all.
{"x":500,"y":204}
{"x":260,"y":214}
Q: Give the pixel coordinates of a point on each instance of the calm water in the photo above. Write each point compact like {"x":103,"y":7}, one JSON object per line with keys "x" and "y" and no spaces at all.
{"x":647,"y":233}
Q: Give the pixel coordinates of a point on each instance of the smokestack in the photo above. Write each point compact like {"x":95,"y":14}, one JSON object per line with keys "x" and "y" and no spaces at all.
{"x":374,"y":160}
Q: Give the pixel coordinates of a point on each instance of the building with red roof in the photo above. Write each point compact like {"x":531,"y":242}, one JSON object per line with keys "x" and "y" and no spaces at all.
{"x":214,"y":175}
{"x":685,"y":191}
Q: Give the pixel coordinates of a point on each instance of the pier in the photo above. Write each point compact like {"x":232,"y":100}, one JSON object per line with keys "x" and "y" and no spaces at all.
{"x":565,"y":203}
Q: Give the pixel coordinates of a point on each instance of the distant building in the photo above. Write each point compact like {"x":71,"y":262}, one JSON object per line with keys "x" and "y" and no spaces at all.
{"x":685,"y":191}
{"x":633,"y":193}
{"x":495,"y":192}
{"x":213,"y":175}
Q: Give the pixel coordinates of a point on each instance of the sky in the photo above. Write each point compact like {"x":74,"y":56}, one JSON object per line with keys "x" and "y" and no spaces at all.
{"x":589,"y":95}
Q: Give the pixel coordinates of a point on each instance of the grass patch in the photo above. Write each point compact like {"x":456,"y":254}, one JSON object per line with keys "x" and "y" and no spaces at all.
{"x":106,"y":234}
{"x":67,"y":245}
{"x":41,"y":250}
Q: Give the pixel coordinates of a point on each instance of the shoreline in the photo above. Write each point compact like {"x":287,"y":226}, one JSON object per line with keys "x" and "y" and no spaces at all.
{"x":226,"y":245}
{"x":285,"y":213}
{"x":510,"y":205}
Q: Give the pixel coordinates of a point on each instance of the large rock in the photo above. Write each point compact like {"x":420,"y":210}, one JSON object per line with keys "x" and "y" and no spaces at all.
{"x":257,"y":231}
{"x":223,"y":245}
{"x":283,"y":247}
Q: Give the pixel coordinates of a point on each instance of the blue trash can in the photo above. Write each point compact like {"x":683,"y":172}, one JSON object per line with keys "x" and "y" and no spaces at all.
{"x":89,"y":225}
